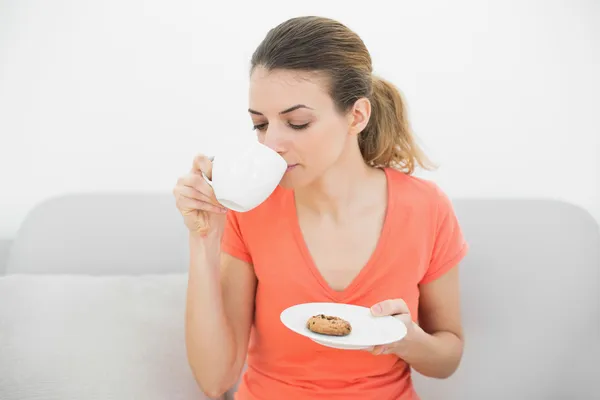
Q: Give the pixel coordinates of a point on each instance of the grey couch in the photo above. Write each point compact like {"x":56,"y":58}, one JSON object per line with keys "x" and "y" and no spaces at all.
{"x":4,"y":249}
{"x":92,"y":303}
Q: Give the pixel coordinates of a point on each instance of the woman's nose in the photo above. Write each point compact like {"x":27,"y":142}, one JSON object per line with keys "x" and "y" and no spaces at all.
{"x":273,"y":139}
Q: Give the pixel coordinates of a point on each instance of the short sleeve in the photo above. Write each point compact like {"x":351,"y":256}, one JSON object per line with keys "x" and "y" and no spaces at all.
{"x":233,"y":242}
{"x":449,"y":245}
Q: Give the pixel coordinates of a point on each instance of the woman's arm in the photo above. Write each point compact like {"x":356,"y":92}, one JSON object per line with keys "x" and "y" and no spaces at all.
{"x":434,"y":346}
{"x":219,"y":314}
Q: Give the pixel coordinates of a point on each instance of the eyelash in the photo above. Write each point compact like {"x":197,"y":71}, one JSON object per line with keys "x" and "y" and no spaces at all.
{"x":296,"y":127}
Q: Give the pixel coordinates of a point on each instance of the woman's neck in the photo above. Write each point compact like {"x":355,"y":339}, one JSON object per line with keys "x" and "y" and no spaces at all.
{"x":344,"y":187}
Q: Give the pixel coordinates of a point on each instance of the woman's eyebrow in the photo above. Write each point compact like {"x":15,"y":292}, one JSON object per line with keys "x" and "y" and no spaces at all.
{"x":288,"y":110}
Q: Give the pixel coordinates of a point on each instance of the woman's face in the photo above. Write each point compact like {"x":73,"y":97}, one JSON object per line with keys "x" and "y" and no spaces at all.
{"x":293,"y":114}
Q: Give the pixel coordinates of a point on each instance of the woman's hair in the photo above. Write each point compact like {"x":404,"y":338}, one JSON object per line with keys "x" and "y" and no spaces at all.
{"x":323,"y":45}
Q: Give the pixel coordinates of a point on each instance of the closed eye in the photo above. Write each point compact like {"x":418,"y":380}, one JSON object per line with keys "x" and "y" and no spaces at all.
{"x":260,"y":127}
{"x":298,"y":127}
{"x":263,"y":127}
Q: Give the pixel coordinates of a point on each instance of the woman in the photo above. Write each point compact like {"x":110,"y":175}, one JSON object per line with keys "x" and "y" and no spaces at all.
{"x":348,"y":223}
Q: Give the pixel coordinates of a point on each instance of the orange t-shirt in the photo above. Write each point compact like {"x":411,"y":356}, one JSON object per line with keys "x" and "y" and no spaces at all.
{"x":421,"y":240}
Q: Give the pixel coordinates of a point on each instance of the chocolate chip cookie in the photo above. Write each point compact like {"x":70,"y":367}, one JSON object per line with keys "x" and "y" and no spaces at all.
{"x":328,"y":325}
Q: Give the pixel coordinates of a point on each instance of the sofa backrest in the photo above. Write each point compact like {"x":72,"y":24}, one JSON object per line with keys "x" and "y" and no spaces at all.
{"x":101,"y":234}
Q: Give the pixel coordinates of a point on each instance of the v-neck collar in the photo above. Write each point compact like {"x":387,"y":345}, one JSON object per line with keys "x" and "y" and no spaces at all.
{"x":334,"y":295}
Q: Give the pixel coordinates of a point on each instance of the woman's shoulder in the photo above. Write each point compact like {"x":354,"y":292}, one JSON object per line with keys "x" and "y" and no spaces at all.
{"x":423,"y":198}
{"x":414,"y":188}
{"x":424,"y":201}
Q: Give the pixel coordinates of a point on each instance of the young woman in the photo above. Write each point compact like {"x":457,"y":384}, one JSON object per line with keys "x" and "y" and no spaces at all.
{"x":348,"y":223}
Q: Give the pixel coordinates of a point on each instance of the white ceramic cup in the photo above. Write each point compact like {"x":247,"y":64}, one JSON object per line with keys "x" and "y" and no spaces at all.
{"x":244,"y":176}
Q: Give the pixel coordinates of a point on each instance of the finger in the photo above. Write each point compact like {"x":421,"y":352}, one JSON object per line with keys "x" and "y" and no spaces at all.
{"x":377,"y":350}
{"x":390,"y":307}
{"x":406,"y":318}
{"x":197,"y":182}
{"x":203,"y":163}
{"x":187,"y":206}
{"x":193,"y":193}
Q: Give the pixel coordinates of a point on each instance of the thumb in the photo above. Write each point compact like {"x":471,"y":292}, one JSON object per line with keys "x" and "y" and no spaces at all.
{"x":390,"y":307}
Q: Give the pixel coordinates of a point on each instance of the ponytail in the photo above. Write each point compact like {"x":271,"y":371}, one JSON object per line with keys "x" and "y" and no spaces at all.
{"x":387,"y":141}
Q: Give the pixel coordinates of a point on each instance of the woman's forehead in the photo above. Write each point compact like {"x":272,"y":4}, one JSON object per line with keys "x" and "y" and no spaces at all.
{"x":276,"y":90}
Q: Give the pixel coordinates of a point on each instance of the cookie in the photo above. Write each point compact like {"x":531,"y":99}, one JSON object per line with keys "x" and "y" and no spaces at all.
{"x":328,"y":325}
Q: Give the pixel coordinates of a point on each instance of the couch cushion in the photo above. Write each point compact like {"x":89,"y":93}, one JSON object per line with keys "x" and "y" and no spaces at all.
{"x":79,"y":337}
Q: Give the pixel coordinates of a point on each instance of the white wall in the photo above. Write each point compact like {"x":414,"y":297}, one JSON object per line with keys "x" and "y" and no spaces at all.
{"x":119,"y":94}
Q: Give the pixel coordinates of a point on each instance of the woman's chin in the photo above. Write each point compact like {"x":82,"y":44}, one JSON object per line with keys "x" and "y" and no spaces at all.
{"x":292,"y":179}
{"x":287,"y":183}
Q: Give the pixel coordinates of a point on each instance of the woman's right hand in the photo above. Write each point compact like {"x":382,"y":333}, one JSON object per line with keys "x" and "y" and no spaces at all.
{"x":195,"y":199}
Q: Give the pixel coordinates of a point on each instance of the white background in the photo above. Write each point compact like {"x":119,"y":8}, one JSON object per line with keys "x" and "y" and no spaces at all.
{"x":120,"y":94}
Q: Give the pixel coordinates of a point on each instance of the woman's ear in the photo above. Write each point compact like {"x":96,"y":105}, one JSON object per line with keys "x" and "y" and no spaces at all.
{"x":359,"y":116}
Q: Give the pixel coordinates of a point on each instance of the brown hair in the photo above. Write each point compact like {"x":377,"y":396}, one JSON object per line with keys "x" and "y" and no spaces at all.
{"x":318,"y":44}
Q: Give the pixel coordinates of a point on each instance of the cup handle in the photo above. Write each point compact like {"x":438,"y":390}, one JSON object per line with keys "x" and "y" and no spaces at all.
{"x":211,"y":158}
{"x":206,"y":179}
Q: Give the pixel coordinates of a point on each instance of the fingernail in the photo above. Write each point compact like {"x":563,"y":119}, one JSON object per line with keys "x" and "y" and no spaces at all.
{"x":376,"y":309}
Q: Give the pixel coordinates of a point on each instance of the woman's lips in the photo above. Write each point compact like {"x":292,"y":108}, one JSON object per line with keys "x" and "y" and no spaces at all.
{"x":290,"y":166}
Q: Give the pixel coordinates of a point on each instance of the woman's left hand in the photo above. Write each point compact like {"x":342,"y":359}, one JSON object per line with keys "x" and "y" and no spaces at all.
{"x":398,"y":309}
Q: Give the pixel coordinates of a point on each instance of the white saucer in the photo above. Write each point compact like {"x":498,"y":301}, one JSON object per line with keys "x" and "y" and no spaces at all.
{"x":367,"y":330}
